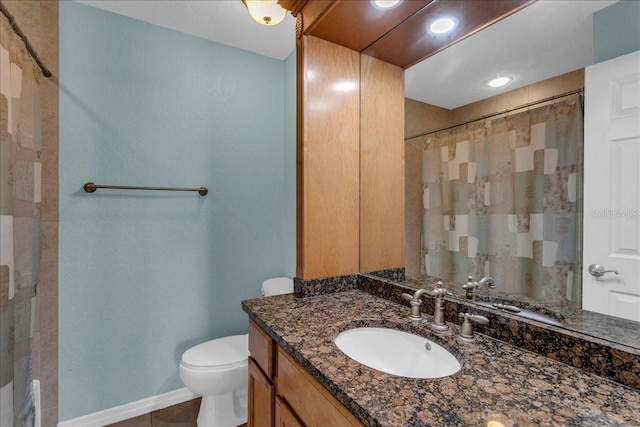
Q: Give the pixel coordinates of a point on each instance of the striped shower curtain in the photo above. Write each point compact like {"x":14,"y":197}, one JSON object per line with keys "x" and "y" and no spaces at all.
{"x":20,"y":184}
{"x":503,"y":198}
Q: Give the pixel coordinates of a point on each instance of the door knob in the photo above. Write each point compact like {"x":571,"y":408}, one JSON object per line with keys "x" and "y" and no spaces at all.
{"x":597,"y":270}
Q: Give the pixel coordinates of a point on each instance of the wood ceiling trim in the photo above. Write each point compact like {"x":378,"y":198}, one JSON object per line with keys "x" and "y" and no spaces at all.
{"x":314,"y":12}
{"x":357,"y":24}
{"x":293,"y":6}
{"x":410,"y":43}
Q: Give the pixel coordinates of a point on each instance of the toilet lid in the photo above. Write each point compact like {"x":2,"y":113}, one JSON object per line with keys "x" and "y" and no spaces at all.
{"x":229,"y":350}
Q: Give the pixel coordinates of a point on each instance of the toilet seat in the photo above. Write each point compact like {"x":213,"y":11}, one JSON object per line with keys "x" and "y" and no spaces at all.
{"x":221,"y":353}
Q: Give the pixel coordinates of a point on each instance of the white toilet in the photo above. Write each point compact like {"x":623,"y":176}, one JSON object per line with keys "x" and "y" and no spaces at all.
{"x":218,"y":370}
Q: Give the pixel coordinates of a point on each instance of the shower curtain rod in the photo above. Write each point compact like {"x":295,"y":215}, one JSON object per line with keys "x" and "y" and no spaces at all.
{"x":18,"y":31}
{"x":487,"y":116}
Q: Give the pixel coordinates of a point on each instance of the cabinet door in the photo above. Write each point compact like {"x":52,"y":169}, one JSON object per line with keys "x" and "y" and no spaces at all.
{"x":261,"y":395}
{"x":284,"y":416}
{"x":310,"y":401}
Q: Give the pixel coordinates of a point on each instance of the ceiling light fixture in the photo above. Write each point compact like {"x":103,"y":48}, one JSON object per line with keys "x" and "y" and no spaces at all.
{"x":442,"y":25}
{"x":266,"y":12}
{"x":499,"y":81}
{"x":385,"y":4}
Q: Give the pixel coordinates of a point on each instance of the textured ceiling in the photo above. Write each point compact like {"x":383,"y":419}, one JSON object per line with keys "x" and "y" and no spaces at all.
{"x":545,"y":39}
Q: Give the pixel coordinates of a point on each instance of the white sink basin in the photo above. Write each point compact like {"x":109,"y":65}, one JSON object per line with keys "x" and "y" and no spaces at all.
{"x":397,"y":352}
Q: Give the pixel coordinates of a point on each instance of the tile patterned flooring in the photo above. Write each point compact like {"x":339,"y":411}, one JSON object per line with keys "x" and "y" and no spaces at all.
{"x":181,"y":415}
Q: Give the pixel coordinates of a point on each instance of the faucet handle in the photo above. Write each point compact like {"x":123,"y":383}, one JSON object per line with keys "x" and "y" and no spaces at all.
{"x":440,"y":290}
{"x":471,"y":284}
{"x":407,"y":297}
{"x":438,"y":325}
{"x":470,"y":288}
{"x":466,"y":330}
{"x":443,"y":289}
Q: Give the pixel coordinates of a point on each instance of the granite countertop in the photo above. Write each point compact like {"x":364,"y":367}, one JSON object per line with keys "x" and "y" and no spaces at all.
{"x":497,"y":382}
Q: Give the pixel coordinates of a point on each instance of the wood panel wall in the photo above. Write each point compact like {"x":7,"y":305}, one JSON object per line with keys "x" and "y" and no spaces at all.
{"x":381,"y":165}
{"x":350,"y":161}
{"x":328,"y":160}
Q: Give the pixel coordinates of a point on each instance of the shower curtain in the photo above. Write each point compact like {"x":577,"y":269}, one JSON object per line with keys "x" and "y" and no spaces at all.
{"x":503,"y":198}
{"x":20,"y":184}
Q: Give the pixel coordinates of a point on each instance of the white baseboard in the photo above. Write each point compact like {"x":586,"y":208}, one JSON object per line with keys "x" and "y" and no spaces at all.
{"x":130,"y":410}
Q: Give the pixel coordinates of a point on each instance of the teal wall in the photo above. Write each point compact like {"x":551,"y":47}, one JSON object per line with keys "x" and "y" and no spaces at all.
{"x":616,"y":30}
{"x":145,"y":275}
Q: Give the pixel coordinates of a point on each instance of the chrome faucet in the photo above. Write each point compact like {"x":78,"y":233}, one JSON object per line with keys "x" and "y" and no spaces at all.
{"x":415,"y":302}
{"x":471,"y":286}
{"x":438,"y":293}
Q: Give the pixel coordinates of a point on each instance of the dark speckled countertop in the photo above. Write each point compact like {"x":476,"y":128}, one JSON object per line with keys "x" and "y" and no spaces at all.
{"x":498,"y":381}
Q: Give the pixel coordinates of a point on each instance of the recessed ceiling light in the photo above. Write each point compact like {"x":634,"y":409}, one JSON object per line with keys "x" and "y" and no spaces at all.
{"x":499,"y":81}
{"x":385,"y":4}
{"x":442,"y":25}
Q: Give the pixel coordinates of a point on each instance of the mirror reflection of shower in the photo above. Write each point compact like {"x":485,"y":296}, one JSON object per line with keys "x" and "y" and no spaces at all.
{"x":455,"y":98}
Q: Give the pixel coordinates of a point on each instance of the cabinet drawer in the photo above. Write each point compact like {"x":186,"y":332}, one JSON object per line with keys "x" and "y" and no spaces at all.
{"x":311,"y":402}
{"x":262,"y":349}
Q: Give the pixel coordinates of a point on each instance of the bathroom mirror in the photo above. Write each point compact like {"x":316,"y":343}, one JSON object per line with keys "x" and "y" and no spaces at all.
{"x":454,"y":78}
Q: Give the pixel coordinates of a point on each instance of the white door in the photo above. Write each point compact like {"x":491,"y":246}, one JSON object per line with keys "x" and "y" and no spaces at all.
{"x":612,"y":188}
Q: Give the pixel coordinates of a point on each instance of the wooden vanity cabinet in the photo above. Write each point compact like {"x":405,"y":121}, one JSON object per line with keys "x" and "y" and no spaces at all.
{"x":284,"y":416}
{"x":260,"y":390}
{"x":261,"y":395}
{"x":282,"y":394}
{"x":307,"y":398}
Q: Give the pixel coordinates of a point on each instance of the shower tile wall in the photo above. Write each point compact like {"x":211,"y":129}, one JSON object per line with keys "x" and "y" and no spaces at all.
{"x":39,"y":21}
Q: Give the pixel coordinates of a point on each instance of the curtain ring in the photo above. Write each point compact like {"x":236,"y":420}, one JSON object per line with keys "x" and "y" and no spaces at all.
{"x":428,"y":139}
{"x":505,"y":116}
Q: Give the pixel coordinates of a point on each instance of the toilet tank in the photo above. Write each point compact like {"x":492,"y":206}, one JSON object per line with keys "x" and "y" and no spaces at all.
{"x":277,"y":286}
